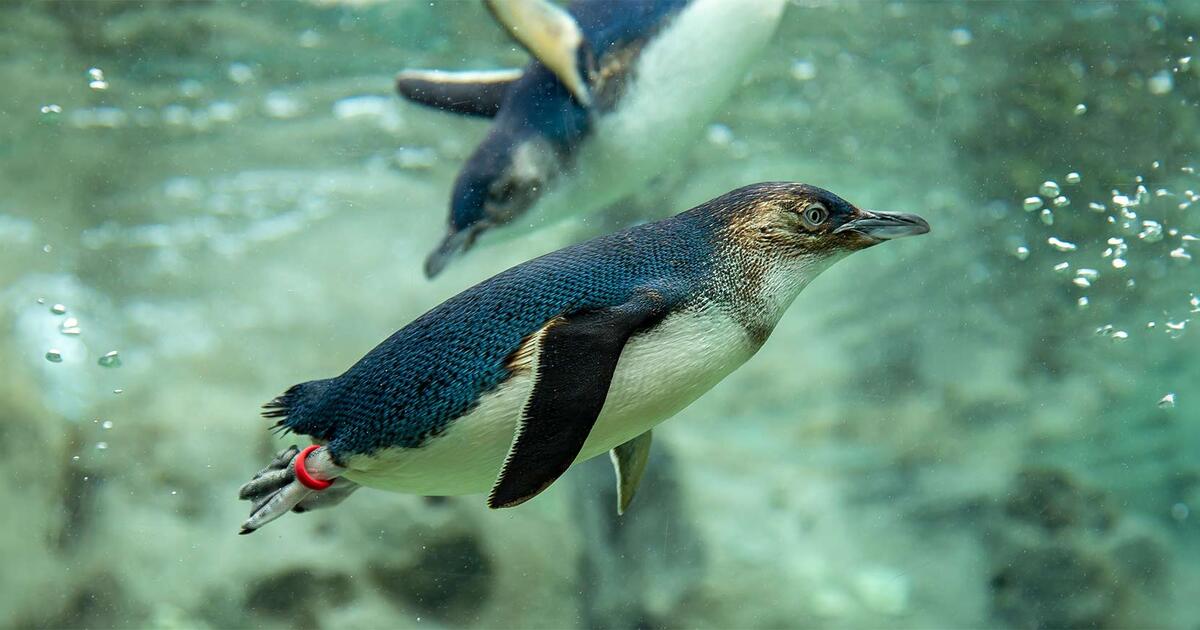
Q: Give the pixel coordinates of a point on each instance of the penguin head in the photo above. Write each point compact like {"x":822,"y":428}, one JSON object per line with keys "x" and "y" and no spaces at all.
{"x":807,"y":224}
{"x":505,"y":177}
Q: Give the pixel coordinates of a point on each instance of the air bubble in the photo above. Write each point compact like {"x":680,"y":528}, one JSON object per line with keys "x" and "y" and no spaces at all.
{"x":106,"y":425}
{"x":1049,"y":189}
{"x":1152,"y":231}
{"x":1181,"y":254}
{"x":1090,"y":274}
{"x":51,"y":109}
{"x":100,"y":446}
{"x":1032,"y":203}
{"x":1080,"y":109}
{"x":1062,"y":267}
{"x":1119,"y":335}
{"x":1046,"y":216}
{"x":1061,"y":245}
{"x":1081,"y":282}
{"x":1083,"y":302}
{"x":1021,"y":252}
{"x":110,"y":360}
{"x":58,"y":309}
{"x":1073,"y":178}
{"x":1062,"y":201}
{"x":96,"y":79}
{"x":1167,"y":402}
{"x":1096,"y":207}
{"x":70,"y":326}
{"x":54,"y":355}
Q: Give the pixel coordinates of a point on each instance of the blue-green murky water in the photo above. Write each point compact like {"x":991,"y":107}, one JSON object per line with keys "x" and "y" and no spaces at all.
{"x":995,"y":425}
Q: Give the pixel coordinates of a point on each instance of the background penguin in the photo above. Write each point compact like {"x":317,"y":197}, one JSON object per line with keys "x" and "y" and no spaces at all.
{"x":616,"y":90}
{"x":564,"y":357}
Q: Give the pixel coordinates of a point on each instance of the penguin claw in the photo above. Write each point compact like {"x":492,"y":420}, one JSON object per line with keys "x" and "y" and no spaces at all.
{"x":274,"y":505}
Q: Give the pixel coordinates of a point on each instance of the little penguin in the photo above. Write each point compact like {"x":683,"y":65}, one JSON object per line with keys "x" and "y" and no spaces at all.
{"x":616,"y":90}
{"x":564,"y":357}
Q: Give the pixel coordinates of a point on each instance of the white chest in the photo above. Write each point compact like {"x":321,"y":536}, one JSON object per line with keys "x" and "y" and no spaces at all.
{"x":681,"y":78}
{"x":659,"y":373}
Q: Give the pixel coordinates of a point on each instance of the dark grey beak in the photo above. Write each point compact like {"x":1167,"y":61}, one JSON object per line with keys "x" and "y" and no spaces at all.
{"x":452,"y":246}
{"x":884,"y":226}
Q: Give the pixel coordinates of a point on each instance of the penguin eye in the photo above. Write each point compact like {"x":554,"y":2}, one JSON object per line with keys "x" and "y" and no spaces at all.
{"x":814,"y":216}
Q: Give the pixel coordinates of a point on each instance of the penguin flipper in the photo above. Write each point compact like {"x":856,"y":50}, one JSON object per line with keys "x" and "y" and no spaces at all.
{"x":551,"y":35}
{"x":629,"y":462}
{"x":579,"y":353}
{"x":475,"y":93}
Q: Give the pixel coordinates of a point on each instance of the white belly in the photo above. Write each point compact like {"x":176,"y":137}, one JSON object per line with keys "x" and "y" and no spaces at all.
{"x":681,"y":78}
{"x":659,"y":373}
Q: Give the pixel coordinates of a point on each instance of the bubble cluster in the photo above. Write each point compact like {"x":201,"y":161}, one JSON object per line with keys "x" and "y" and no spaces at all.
{"x":1147,"y":240}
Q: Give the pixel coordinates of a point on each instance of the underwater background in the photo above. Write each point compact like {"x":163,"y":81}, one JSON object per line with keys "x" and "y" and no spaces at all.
{"x":995,"y":425}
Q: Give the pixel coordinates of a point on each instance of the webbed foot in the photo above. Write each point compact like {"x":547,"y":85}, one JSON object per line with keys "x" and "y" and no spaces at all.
{"x":275,"y":490}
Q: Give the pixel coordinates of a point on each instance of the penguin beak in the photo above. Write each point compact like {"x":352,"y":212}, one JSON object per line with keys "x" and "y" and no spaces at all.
{"x":454,"y":245}
{"x":884,"y":226}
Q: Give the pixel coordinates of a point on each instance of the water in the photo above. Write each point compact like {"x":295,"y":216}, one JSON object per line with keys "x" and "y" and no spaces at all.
{"x":206,"y":203}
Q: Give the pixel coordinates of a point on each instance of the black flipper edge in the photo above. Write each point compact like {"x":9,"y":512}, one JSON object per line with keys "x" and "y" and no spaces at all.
{"x":579,"y":353}
{"x":472,"y":93}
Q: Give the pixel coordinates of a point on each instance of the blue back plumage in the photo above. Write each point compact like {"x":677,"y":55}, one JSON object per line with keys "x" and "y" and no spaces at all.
{"x":424,"y":376}
{"x":541,"y":101}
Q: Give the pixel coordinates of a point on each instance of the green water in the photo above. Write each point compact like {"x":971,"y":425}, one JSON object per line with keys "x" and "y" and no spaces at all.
{"x":938,"y":434}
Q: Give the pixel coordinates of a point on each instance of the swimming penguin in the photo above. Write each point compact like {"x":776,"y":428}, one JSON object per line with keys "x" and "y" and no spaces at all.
{"x":616,"y":91}
{"x":564,"y":357}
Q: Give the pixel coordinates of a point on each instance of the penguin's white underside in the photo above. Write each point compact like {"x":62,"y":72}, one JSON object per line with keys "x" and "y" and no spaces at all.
{"x":682,"y":76}
{"x":660,"y":372}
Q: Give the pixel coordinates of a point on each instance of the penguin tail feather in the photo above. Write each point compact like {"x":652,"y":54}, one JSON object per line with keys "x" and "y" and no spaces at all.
{"x":296,"y":409}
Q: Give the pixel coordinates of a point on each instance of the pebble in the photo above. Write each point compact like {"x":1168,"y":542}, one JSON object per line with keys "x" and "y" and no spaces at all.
{"x":1161,"y":83}
{"x":804,"y":70}
{"x":884,"y":590}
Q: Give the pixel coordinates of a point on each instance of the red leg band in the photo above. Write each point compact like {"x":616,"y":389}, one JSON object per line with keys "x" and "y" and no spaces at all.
{"x":302,"y":475}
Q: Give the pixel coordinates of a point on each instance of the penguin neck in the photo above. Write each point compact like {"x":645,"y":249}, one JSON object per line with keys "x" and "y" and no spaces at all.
{"x":759,"y":287}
